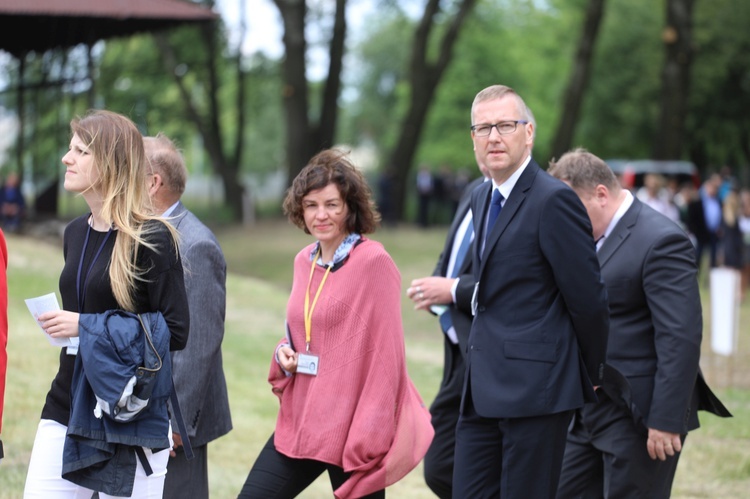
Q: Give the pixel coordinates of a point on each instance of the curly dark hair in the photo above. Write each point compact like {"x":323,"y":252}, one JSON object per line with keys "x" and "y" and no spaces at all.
{"x":332,"y":166}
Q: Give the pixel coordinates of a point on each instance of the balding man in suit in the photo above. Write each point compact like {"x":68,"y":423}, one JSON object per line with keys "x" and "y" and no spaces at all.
{"x":628,"y":443}
{"x":198,"y":369}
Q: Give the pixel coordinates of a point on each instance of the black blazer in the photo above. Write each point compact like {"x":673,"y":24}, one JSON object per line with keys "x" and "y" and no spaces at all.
{"x":461,"y":309}
{"x":539,"y":336}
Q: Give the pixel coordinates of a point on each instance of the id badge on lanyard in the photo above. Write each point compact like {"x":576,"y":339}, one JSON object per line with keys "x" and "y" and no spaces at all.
{"x":308,"y":363}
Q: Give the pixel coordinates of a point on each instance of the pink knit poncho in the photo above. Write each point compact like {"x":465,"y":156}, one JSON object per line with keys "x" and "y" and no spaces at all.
{"x":361,"y":412}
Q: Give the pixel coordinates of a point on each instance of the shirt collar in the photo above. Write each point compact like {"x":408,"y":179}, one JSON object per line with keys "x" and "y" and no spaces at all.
{"x":624,"y":207}
{"x":506,"y":187}
{"x":170,"y":210}
{"x":341,"y":252}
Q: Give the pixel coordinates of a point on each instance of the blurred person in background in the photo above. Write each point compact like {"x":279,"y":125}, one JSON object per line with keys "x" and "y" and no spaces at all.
{"x":655,"y":194}
{"x":704,"y":220}
{"x":745,"y":229}
{"x":730,"y":232}
{"x":425,"y":184}
{"x":12,"y":204}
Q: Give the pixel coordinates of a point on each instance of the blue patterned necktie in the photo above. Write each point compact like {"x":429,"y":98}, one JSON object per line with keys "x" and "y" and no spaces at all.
{"x":495,"y":207}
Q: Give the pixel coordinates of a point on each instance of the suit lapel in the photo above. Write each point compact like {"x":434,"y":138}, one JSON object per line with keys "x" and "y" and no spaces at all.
{"x":511,"y":206}
{"x":483,"y":195}
{"x":620,"y":233}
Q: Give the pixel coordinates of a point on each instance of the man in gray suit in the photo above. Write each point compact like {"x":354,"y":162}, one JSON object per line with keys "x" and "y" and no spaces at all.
{"x":197,"y":370}
{"x":628,"y":443}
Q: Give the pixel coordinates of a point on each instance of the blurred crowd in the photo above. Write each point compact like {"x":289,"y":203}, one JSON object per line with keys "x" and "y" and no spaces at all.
{"x":438,"y":193}
{"x":715,"y":214}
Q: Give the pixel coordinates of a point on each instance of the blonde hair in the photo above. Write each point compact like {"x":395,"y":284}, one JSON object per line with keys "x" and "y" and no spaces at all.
{"x":117,"y":149}
{"x":731,"y":208}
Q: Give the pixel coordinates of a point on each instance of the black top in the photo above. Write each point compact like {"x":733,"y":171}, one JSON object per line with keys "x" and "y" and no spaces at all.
{"x":731,"y":243}
{"x":163,"y":290}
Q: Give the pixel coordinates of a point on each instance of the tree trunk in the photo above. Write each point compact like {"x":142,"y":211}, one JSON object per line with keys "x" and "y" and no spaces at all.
{"x":424,"y":78}
{"x":21,"y":110}
{"x":579,"y":79}
{"x":299,"y":140}
{"x":305,"y":137}
{"x":326,"y":129}
{"x":675,"y":80}
{"x":227,"y":166}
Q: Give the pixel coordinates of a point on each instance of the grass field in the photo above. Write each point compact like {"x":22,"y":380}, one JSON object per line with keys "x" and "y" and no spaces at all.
{"x":715,"y":461}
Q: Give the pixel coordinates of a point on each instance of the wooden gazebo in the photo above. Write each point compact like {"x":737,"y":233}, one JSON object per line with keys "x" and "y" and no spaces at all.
{"x":38,"y":26}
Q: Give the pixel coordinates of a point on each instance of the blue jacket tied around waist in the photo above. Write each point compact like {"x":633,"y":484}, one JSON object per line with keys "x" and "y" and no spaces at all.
{"x":121,"y":384}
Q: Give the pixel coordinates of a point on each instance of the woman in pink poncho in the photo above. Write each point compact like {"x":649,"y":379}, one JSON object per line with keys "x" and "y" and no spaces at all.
{"x":347,"y":405}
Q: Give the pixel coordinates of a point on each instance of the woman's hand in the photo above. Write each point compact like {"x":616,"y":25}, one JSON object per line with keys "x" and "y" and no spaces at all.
{"x":59,"y":323}
{"x":287,"y":359}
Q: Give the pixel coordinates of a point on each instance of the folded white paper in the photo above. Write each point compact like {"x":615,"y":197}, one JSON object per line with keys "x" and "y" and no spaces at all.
{"x":45,"y":303}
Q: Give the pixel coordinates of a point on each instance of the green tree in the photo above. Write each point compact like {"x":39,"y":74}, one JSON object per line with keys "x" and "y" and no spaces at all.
{"x":308,"y":131}
{"x":213,"y":99}
{"x":675,"y":80}
{"x":718,"y":124}
{"x":579,"y":79}
{"x":511,"y":42}
{"x":426,"y":70}
{"x":133,"y":81}
{"x":619,"y":114}
{"x":45,"y":90}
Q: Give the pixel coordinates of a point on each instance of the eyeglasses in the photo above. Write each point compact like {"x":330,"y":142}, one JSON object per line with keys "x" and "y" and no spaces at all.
{"x":503,"y":128}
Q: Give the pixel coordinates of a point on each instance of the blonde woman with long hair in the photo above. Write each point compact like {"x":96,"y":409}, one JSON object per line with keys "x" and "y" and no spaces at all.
{"x":117,"y":257}
{"x":731,"y":234}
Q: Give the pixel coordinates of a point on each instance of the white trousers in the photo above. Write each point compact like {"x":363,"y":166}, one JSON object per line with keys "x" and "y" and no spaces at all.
{"x":44,"y":477}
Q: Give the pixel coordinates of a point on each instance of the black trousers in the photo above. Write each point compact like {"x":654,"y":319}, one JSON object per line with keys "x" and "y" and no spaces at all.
{"x":438,"y":462}
{"x":187,"y":478}
{"x":276,"y":476}
{"x":606,"y":457}
{"x":512,"y":458}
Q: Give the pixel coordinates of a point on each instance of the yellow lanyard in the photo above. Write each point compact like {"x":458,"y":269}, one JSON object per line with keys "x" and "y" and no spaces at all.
{"x":308,"y":308}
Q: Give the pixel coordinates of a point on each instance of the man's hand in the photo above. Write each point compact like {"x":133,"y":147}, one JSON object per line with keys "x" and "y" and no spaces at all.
{"x":661,"y":444}
{"x":428,"y":291}
{"x":177,"y":443}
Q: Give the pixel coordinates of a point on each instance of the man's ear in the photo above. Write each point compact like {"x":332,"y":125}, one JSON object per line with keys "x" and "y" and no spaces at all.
{"x":153,"y":183}
{"x":602,"y":194}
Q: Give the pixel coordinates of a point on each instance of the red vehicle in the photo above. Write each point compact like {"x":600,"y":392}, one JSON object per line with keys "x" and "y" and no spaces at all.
{"x":631,"y":172}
